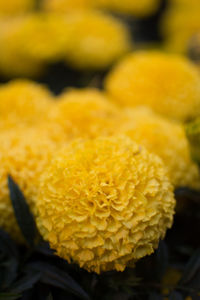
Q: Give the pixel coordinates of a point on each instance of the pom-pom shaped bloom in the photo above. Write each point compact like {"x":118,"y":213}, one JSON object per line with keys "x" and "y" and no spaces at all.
{"x":43,"y":36}
{"x":84,"y":113}
{"x":138,"y":8}
{"x":179,"y":24}
{"x":29,"y":42}
{"x":66,"y":6}
{"x":169,"y":84}
{"x":14,"y":63}
{"x":104,"y":203}
{"x":24,"y":154}
{"x":165,"y":138}
{"x":23,"y":102}
{"x":97,"y":40}
{"x":14,"y":7}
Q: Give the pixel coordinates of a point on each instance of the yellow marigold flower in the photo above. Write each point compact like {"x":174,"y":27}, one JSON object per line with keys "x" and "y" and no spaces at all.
{"x":14,"y":7}
{"x":44,"y":36}
{"x":23,"y":102}
{"x":29,"y":42}
{"x":104,"y":203}
{"x":168,"y":83}
{"x":97,"y":40}
{"x":185,"y":3}
{"x":14,"y":63}
{"x":66,"y":6}
{"x":24,"y":154}
{"x":165,"y":138}
{"x":138,"y":8}
{"x":178,"y":25}
{"x":84,"y":113}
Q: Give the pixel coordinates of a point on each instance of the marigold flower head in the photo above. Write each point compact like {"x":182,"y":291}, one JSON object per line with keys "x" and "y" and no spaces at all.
{"x":23,"y":102}
{"x":97,"y":40}
{"x":168,"y":83}
{"x":66,"y":6}
{"x":44,"y":36}
{"x":104,"y":203}
{"x":138,"y":8}
{"x":29,"y":42}
{"x":24,"y":154}
{"x":14,"y":7}
{"x":13,"y":62}
{"x":84,"y":113}
{"x":179,"y":24}
{"x":165,"y":138}
{"x":185,"y":3}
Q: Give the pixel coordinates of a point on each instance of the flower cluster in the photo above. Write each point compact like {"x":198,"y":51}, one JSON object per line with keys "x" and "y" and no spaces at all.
{"x":104,"y":203}
{"x":168,"y":83}
{"x":100,"y":199}
{"x":89,"y":39}
{"x":165,"y":138}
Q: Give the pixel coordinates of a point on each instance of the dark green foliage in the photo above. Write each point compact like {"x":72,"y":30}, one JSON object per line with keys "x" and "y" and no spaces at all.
{"x":35,"y":272}
{"x":23,"y":214}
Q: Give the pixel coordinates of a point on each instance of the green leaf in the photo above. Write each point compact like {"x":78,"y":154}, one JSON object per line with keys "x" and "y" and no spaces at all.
{"x":162,"y":260}
{"x":23,"y":214}
{"x":8,"y":245}
{"x":191,"y":269}
{"x":26,"y":282}
{"x":56,"y":277}
{"x":9,"y":296}
{"x":9,"y":260}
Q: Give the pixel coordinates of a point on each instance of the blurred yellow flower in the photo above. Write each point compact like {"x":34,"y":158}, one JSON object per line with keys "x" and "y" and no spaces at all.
{"x":168,"y":83}
{"x":104,"y":203}
{"x":179,"y":24}
{"x":24,"y":154}
{"x":29,"y":42}
{"x":165,"y":138}
{"x":14,"y":7}
{"x":97,"y":40}
{"x":23,"y":102}
{"x":13,"y":62}
{"x":139,"y":8}
{"x":84,"y":113}
{"x":66,"y":6}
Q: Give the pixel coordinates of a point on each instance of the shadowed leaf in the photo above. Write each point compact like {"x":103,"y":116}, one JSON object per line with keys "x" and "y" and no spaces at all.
{"x":191,"y":268}
{"x":9,"y":296}
{"x":7,"y":244}
{"x":23,"y":214}
{"x":26,"y":282}
{"x":54,"y":276}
